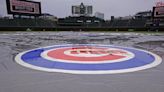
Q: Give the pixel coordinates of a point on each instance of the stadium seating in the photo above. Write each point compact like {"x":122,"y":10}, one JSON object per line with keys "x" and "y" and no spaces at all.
{"x":26,"y":23}
{"x":8,"y":23}
{"x":120,"y":23}
{"x":76,"y":22}
{"x":137,"y":22}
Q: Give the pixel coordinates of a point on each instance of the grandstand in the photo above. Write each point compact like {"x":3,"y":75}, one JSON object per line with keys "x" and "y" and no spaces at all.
{"x":76,"y":23}
{"x":23,"y":24}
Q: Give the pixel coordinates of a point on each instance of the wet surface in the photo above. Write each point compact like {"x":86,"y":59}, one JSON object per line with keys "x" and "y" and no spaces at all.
{"x":15,"y":78}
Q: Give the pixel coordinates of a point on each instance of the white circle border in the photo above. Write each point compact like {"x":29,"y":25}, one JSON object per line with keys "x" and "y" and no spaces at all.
{"x":157,"y":61}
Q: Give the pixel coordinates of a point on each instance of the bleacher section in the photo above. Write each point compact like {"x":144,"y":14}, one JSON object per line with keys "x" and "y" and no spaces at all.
{"x":81,"y":21}
{"x":76,"y":23}
{"x":95,"y":22}
{"x":8,"y":23}
{"x":120,"y":23}
{"x":137,"y":23}
{"x":26,"y":23}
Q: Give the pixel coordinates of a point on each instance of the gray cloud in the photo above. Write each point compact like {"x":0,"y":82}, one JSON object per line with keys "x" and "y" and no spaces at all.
{"x":62,"y":8}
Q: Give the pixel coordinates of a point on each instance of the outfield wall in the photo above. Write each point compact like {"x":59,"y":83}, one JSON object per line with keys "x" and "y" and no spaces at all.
{"x":78,"y":29}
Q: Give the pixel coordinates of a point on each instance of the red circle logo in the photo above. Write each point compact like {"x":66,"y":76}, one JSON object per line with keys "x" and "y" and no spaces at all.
{"x":88,"y":54}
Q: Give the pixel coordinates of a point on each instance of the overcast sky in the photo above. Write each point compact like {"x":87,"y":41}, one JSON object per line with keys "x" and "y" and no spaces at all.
{"x":62,"y":8}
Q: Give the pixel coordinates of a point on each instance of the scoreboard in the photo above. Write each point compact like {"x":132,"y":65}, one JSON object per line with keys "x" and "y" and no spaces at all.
{"x":23,"y":7}
{"x":82,"y":9}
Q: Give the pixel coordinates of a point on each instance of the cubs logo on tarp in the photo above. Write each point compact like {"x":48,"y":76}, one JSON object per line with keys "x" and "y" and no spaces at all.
{"x":88,"y":59}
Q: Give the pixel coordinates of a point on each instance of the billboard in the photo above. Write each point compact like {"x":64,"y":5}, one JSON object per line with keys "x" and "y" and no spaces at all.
{"x":23,"y":7}
{"x":158,"y":12}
